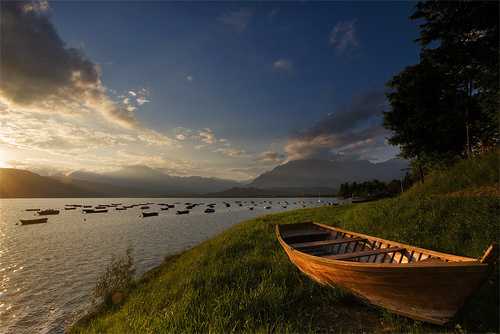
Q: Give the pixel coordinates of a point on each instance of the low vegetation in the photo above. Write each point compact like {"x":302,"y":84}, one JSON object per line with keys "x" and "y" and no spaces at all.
{"x":241,"y":281}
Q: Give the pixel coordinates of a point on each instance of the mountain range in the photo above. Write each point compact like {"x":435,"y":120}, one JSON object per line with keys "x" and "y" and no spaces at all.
{"x":294,"y":178}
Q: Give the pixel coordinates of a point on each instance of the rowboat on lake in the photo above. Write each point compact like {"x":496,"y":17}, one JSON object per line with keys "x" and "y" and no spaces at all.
{"x":182,"y":212}
{"x":415,"y":282}
{"x":95,"y":210}
{"x":48,"y":212}
{"x":33,"y":221}
{"x":149,"y":214}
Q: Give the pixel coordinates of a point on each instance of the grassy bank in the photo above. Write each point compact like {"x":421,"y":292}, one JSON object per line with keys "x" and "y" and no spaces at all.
{"x":241,"y":281}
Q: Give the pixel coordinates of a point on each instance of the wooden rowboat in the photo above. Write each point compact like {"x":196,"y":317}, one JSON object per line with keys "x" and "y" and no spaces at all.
{"x":33,"y":221}
{"x":415,"y":282}
{"x":149,"y":214}
{"x":48,"y":212}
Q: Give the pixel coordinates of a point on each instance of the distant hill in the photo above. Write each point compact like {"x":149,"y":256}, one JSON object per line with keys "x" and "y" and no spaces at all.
{"x":21,"y":183}
{"x":154,"y":182}
{"x":314,"y":173}
{"x":295,"y":178}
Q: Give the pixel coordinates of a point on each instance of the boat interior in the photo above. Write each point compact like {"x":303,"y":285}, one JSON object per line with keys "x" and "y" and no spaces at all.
{"x":337,"y":244}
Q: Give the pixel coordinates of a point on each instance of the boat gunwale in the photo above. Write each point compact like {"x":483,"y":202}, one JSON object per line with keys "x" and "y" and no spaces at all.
{"x":464,"y":261}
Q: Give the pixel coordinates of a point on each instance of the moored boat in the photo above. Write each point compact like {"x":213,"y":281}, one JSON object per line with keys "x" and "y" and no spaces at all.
{"x":209,"y":210}
{"x":95,"y":210}
{"x":182,"y":212}
{"x":149,"y":214}
{"x":32,"y":210}
{"x":411,"y":281}
{"x":48,"y":212}
{"x":33,"y":221}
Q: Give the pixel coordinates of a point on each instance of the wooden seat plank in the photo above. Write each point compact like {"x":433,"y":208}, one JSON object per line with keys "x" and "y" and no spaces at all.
{"x":325,"y":242}
{"x":307,"y":234}
{"x":354,"y":255}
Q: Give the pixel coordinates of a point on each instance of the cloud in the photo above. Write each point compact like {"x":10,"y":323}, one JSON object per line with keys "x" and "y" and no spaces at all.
{"x":270,"y":157}
{"x":238,"y":19}
{"x":343,"y":36}
{"x":207,"y":136}
{"x":348,"y":131}
{"x":283,"y":65}
{"x":189,"y":78}
{"x":180,"y":136}
{"x":230,"y":152}
{"x":49,"y":76}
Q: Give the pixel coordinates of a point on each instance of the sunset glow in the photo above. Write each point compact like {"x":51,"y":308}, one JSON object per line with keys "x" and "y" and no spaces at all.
{"x":187,"y":107}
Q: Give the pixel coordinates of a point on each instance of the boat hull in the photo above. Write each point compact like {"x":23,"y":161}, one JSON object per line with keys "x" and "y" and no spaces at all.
{"x":430,"y":292}
{"x":33,"y":221}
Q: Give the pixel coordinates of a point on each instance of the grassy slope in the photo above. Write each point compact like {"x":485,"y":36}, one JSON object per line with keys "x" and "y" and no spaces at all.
{"x":242,"y":280}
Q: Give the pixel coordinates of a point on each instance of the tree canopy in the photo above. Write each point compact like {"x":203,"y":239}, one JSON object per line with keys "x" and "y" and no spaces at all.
{"x":447,"y":105}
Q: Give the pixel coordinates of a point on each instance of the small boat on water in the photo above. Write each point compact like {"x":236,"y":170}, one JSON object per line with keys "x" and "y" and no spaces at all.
{"x":418,"y":283}
{"x":33,"y":221}
{"x":70,"y":208}
{"x":163,"y":209}
{"x":144,"y":207}
{"x":149,"y":214}
{"x":209,"y":210}
{"x":267,"y":207}
{"x":48,"y":212}
{"x":182,"y":212}
{"x":95,"y":211}
{"x":32,"y":210}
{"x":121,"y":209}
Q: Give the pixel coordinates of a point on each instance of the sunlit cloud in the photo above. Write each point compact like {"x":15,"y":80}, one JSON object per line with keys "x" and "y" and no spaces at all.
{"x":349,"y":131}
{"x":270,"y":157}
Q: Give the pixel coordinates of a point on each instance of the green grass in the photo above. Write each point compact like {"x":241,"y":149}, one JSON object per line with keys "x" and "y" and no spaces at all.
{"x":241,"y":281}
{"x":466,"y":174}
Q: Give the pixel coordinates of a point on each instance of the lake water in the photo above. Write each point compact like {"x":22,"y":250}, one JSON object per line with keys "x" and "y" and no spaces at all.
{"x":48,"y":271}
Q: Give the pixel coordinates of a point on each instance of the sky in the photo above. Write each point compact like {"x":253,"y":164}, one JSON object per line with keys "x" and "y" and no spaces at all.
{"x":217,"y":89}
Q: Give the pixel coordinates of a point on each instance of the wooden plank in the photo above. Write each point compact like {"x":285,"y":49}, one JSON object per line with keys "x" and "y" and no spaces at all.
{"x":365,"y":253}
{"x":324,"y":242}
{"x":306,"y":234}
{"x":450,"y":257}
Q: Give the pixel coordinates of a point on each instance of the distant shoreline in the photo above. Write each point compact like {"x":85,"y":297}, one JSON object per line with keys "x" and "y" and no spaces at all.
{"x":181,"y":196}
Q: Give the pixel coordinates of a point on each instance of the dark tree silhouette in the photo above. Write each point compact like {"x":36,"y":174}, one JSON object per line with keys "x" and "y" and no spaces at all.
{"x":448,"y":105}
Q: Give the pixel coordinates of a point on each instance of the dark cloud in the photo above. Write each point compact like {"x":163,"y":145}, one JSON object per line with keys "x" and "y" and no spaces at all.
{"x":38,"y":70}
{"x":348,"y":131}
{"x":34,"y":61}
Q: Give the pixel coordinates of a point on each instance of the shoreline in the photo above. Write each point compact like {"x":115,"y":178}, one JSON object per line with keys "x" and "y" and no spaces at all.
{"x":216,"y":277}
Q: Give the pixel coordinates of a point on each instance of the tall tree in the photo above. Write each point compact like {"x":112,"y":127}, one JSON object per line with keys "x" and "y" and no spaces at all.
{"x":448,"y":104}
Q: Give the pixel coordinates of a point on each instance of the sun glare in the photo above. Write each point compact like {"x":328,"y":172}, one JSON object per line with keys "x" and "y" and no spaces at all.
{"x":3,"y":164}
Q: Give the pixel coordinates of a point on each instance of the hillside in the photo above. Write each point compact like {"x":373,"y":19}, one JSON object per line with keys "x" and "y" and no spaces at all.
{"x":311,"y":173}
{"x":21,"y":183}
{"x":154,"y":182}
{"x":244,"y":282}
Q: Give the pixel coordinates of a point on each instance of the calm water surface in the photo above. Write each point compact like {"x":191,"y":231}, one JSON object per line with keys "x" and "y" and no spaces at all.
{"x":48,"y":271}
